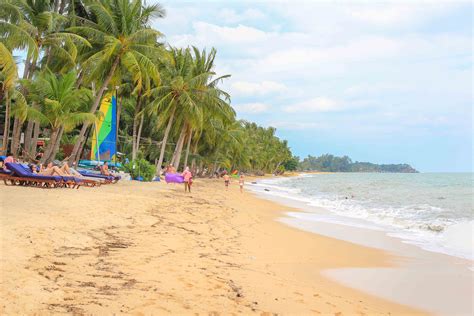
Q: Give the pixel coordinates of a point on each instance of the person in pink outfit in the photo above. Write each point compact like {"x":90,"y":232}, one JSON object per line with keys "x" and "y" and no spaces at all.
{"x":188,"y":180}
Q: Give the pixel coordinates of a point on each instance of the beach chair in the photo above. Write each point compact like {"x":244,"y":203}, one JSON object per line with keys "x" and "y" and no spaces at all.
{"x":106,"y":179}
{"x":22,"y":176}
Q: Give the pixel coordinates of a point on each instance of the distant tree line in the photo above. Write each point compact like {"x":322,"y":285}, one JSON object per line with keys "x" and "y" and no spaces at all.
{"x":331,"y":163}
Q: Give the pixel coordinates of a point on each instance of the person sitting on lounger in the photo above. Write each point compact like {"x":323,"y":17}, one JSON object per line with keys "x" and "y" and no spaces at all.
{"x":50,"y":170}
{"x":105,"y":169}
{"x":7,"y":160}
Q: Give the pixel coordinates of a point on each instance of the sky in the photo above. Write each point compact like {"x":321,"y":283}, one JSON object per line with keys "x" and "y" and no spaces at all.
{"x":379,"y":81}
{"x":385,"y":82}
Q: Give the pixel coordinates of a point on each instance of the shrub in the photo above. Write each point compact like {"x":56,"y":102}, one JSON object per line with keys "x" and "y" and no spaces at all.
{"x":142,"y":169}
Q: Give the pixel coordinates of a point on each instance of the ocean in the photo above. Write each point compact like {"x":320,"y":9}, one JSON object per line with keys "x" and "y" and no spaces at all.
{"x":431,"y":210}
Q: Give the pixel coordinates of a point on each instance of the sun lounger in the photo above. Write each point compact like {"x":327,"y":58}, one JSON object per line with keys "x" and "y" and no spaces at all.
{"x":107,"y":179}
{"x":22,"y":176}
{"x":74,"y":180}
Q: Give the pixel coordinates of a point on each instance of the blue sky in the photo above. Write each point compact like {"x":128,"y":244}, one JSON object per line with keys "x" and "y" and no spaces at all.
{"x":383,"y":82}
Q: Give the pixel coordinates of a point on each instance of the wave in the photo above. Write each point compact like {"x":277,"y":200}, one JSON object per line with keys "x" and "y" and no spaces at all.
{"x":427,"y":226}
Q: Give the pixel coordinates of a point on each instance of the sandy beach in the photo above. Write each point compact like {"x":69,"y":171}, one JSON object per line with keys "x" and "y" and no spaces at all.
{"x":149,"y":248}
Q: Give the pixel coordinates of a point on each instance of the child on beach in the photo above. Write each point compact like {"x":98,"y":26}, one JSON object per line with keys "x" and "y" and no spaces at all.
{"x":188,"y":180}
{"x":241,"y":183}
{"x":226,"y":181}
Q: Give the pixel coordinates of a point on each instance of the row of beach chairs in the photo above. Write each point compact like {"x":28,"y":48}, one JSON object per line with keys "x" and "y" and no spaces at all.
{"x":19,"y":174}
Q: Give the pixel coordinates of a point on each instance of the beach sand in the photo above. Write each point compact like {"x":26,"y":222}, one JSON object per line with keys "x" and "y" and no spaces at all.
{"x":149,"y":248}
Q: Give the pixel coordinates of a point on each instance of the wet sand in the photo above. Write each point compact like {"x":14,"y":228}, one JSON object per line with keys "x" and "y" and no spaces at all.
{"x":149,"y":248}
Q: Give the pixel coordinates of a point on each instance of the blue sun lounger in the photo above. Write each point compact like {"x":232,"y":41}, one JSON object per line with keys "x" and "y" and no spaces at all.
{"x":21,"y":175}
{"x":107,"y":179}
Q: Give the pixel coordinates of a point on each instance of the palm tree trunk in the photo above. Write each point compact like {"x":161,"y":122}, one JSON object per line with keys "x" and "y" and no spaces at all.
{"x":193,"y":162}
{"x":179,"y":147}
{"x":6,"y":130}
{"x":52,"y":143}
{"x":188,"y":145}
{"x":57,"y":144}
{"x":17,"y":125}
{"x":28,"y":135}
{"x":135,"y":126}
{"x":139,"y":134}
{"x":34,"y":140}
{"x":80,"y":78}
{"x":16,"y":134}
{"x":163,"y":142}
{"x":31,"y":123}
{"x":62,"y":6}
{"x":81,"y":139}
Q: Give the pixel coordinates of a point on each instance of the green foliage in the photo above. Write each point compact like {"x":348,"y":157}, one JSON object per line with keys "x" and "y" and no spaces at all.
{"x":330,"y":163}
{"x":170,"y":99}
{"x":292,"y":163}
{"x":140,"y":168}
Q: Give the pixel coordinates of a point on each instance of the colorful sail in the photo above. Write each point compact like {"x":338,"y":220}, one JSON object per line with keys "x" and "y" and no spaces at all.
{"x":104,"y":139}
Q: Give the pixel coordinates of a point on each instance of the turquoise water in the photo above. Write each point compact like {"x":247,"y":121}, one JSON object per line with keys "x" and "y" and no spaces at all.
{"x":434,"y":210}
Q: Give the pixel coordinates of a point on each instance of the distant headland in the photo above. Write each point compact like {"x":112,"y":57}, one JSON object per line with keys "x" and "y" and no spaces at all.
{"x":331,"y":163}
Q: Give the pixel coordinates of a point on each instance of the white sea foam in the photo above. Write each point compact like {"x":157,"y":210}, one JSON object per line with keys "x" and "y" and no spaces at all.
{"x":412,"y":216}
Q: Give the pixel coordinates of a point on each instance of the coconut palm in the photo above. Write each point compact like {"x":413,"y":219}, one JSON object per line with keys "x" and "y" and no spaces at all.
{"x":121,"y":36}
{"x":34,"y":26}
{"x":8,"y":78}
{"x":63,"y":106}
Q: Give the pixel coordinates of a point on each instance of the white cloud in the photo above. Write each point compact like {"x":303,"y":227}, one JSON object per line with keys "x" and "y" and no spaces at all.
{"x":208,"y":34}
{"x":253,"y":108}
{"x":319,"y":104}
{"x":377,"y":88}
{"x":324,"y":104}
{"x":296,"y":126}
{"x":257,"y":88}
{"x":232,"y":16}
{"x":377,"y":68}
{"x":398,"y":13}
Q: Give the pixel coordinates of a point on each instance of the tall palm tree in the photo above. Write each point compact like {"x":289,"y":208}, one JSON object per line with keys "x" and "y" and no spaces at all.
{"x":8,"y":78}
{"x":63,"y":106}
{"x":188,"y":91}
{"x":34,"y":26}
{"x":121,"y":36}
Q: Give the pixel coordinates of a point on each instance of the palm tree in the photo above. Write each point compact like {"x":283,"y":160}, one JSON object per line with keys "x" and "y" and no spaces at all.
{"x":121,"y":36}
{"x":63,"y":106}
{"x":213,"y":101}
{"x":188,"y":91}
{"x":34,"y":26}
{"x":8,"y":78}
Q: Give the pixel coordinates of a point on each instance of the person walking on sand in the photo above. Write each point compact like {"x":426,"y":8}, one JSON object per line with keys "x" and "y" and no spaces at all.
{"x":188,"y":180}
{"x":241,"y":183}
{"x":226,"y":181}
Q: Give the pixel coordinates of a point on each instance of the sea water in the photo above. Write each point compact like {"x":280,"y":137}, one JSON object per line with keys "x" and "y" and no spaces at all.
{"x":431,"y":210}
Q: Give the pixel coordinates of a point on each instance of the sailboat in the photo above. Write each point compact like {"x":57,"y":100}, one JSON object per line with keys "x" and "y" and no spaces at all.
{"x":104,"y":137}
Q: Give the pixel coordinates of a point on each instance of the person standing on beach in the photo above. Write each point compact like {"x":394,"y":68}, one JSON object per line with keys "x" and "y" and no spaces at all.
{"x":188,"y":180}
{"x":241,"y":183}
{"x":226,"y":181}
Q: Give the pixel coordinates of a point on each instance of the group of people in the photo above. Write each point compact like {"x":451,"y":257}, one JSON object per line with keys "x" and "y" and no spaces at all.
{"x":188,"y":178}
{"x":227,"y":182}
{"x":54,"y":168}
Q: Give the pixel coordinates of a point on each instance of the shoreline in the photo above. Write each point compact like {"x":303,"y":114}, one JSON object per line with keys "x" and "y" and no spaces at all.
{"x":287,"y":196}
{"x":142,"y":248}
{"x":413,"y":279}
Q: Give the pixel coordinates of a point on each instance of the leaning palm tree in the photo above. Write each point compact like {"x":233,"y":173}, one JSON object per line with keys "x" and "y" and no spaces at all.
{"x":121,"y":36}
{"x":63,"y":106}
